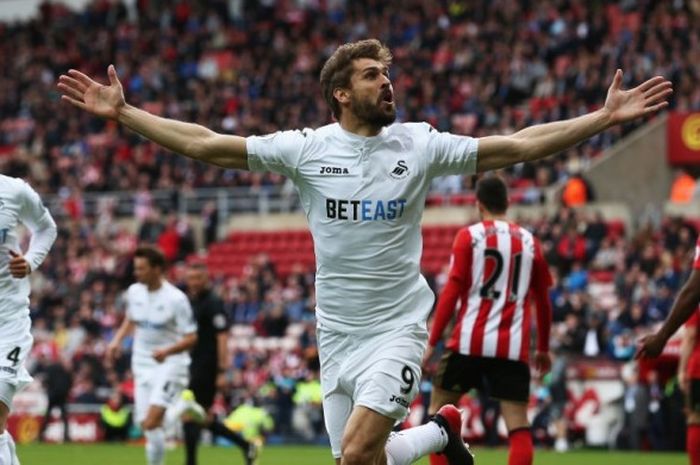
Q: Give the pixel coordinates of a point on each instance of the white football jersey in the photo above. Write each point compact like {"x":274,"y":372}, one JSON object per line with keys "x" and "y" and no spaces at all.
{"x":364,"y":199}
{"x":162,"y":318}
{"x":19,"y":203}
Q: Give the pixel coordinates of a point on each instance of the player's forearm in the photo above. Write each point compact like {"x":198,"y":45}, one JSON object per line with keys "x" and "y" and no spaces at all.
{"x":444,"y":310}
{"x":185,"y":138}
{"x":41,"y":242}
{"x":544,"y":319}
{"x":686,"y":348}
{"x":186,"y":343}
{"x":684,"y":306}
{"x":546,"y":139}
{"x":126,"y":327}
{"x":221,"y":350}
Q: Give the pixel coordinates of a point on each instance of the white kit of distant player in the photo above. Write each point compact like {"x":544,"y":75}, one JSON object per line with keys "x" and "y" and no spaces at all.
{"x":19,"y":204}
{"x":161,"y":318}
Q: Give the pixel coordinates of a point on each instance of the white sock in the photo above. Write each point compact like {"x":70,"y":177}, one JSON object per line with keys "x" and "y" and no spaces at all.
{"x":12,"y":448}
{"x":407,"y":446}
{"x":174,"y":412}
{"x":155,"y":446}
{"x":5,"y":457}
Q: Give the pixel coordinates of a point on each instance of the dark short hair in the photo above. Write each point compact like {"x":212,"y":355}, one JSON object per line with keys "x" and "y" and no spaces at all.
{"x":492,"y":192}
{"x":199,"y":265}
{"x":153,"y":256}
{"x":338,"y":69}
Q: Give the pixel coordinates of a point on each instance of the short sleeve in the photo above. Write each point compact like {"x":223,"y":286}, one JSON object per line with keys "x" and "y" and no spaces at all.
{"x":184,"y":316}
{"x":219,"y":319}
{"x":451,"y":154}
{"x":694,"y":319}
{"x":279,"y":152}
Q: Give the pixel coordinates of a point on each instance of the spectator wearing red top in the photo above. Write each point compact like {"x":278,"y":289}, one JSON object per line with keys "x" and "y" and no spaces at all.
{"x":571,"y":248}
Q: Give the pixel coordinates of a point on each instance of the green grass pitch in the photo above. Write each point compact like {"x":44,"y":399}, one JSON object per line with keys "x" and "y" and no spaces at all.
{"x":127,"y":454}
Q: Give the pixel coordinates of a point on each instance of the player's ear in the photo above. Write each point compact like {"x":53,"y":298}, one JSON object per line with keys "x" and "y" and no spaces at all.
{"x":342,"y":95}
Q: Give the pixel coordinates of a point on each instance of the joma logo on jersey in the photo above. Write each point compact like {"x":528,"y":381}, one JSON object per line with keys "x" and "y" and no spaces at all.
{"x":399,"y":400}
{"x":334,"y":170}
{"x":400,"y":171}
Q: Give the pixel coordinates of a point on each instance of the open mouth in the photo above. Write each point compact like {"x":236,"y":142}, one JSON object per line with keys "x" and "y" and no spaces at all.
{"x":387,"y":97}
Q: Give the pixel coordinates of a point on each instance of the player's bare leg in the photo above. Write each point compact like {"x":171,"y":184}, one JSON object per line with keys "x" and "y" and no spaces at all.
{"x":4,"y":414}
{"x":8,"y":455}
{"x":366,"y":434}
{"x":368,"y":440}
{"x":519,"y":434}
{"x":440,"y":397}
{"x":152,"y":427}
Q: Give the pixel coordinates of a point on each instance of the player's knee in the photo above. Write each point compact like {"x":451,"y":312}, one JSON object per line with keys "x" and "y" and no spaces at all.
{"x":149,"y":424}
{"x":358,"y":455}
{"x":694,"y":418}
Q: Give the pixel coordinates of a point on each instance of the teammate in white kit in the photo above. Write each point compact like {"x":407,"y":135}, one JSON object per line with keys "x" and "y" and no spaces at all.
{"x":164,"y":329}
{"x":363,"y":183}
{"x":19,"y":203}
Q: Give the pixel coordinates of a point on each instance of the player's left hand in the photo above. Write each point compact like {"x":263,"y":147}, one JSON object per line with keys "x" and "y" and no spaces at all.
{"x":221,"y":381}
{"x":650,"y":346}
{"x":645,"y":99}
{"x":19,"y":267}
{"x":160,"y":355}
{"x":543,"y":363}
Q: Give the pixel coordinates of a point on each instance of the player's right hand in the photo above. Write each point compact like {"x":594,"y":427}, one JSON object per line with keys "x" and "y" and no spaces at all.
{"x":683,"y":382}
{"x":81,"y":91}
{"x":650,"y":346}
{"x":543,"y":364}
{"x":112,"y":352}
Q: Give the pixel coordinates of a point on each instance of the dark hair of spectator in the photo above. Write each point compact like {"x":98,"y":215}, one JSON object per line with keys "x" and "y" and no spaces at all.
{"x":493,"y":194}
{"x":153,"y":255}
{"x":338,"y":69}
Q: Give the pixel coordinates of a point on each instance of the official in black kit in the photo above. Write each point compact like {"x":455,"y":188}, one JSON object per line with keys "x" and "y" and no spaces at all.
{"x":209,"y":362}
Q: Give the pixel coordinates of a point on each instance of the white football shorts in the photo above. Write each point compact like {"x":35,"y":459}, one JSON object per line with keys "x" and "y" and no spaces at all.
{"x":15,"y":344}
{"x":161,"y":386}
{"x":378,"y":371}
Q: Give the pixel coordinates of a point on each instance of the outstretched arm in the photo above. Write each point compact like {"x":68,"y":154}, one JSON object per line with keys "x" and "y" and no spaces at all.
{"x":686,"y":303}
{"x":191,"y":140}
{"x":547,"y":139}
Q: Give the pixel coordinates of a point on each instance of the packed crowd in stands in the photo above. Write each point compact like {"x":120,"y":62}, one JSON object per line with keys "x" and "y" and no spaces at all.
{"x":476,"y":68}
{"x":244,"y":67}
{"x":609,"y":289}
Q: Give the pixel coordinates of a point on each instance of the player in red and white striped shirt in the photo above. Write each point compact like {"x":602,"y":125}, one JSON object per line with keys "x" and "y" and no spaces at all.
{"x":497,"y":270}
{"x":685,"y":310}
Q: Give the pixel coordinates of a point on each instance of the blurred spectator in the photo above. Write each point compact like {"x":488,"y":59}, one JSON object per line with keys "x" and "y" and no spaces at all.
{"x":115,"y":418}
{"x":251,"y":421}
{"x":577,"y":191}
{"x":683,"y":188}
{"x":57,"y":380}
{"x":636,"y":409}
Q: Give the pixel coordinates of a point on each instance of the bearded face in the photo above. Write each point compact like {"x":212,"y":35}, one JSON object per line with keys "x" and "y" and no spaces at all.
{"x":378,"y":111}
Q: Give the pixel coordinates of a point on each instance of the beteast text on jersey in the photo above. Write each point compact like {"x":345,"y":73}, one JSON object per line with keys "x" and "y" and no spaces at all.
{"x":365,"y":210}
